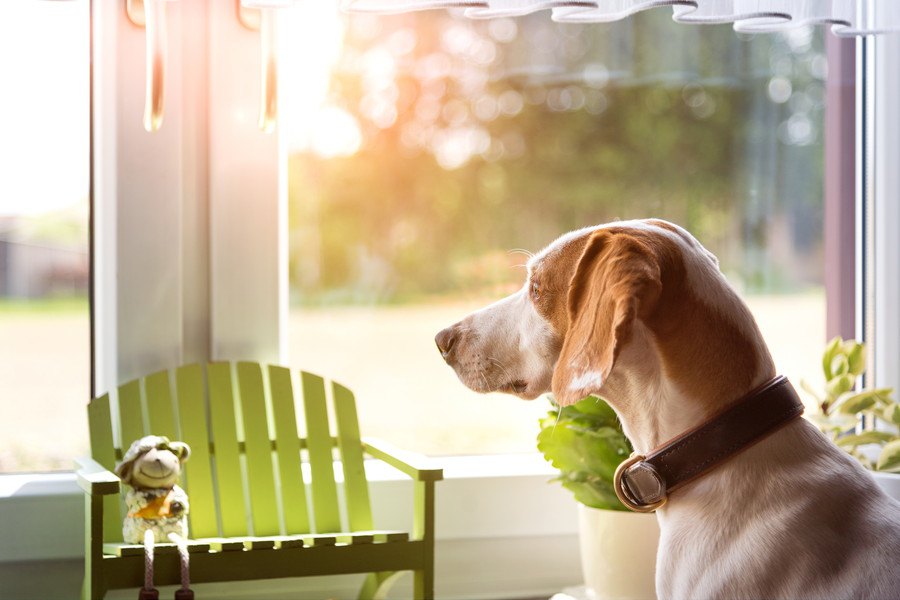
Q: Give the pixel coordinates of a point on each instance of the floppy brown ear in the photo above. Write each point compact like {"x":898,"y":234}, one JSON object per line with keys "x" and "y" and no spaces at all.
{"x":616,"y":281}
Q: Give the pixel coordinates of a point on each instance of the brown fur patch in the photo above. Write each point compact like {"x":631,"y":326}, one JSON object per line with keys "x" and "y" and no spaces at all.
{"x":554,"y":275}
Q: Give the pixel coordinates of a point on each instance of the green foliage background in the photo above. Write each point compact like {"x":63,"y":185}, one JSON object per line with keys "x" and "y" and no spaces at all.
{"x":639,"y":118}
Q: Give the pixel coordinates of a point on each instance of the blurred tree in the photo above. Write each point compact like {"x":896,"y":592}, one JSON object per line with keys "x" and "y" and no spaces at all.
{"x":477,"y":137}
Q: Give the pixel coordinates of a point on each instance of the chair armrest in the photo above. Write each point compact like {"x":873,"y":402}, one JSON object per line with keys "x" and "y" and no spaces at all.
{"x":94,"y":478}
{"x":417,"y":466}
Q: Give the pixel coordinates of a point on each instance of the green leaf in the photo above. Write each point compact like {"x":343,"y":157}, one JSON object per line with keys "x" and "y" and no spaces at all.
{"x":586,"y":443}
{"x":839,"y":384}
{"x":830,"y":350}
{"x":594,"y":493}
{"x":884,"y":395}
{"x":891,"y":414}
{"x":576,"y":449}
{"x":866,"y":437}
{"x":856,"y":359}
{"x":889,"y":459}
{"x":854,"y":403}
{"x":839,"y":365}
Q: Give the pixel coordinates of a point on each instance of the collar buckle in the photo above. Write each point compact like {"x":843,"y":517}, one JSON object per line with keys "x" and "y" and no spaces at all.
{"x":624,"y":492}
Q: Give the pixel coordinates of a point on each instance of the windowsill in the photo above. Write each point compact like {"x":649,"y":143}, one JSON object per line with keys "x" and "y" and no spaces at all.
{"x":481,"y":497}
{"x":502,"y":531}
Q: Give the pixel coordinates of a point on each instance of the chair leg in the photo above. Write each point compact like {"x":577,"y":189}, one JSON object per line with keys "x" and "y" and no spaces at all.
{"x":423,"y":585}
{"x":370,"y":586}
{"x":94,"y":585}
{"x":91,"y":589}
{"x":377,"y":585}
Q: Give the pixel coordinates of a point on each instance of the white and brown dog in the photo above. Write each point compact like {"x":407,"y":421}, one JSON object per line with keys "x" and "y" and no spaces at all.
{"x":639,"y":313}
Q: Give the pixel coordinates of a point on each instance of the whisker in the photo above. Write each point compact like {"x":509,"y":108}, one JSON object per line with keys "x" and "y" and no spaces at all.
{"x":501,"y":366}
{"x":521,"y":251}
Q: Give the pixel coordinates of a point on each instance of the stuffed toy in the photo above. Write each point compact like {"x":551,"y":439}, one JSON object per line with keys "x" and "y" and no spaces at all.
{"x":157,"y":506}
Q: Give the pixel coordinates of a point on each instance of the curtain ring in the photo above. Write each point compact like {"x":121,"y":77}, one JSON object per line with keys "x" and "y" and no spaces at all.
{"x":259,"y":15}
{"x":151,"y":15}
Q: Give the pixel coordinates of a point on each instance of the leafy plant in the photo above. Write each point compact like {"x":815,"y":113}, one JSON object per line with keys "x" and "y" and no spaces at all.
{"x":840,"y":407}
{"x":586,"y":443}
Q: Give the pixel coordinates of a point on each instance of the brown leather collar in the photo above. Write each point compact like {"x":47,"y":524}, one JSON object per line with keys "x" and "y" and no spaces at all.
{"x":643,"y":483}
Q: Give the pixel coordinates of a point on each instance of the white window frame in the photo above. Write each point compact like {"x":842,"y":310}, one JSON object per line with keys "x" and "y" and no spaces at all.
{"x":878,"y":206}
{"x":499,"y":534}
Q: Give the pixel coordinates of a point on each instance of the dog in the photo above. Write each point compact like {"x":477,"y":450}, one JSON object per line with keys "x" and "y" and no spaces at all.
{"x":638,"y":312}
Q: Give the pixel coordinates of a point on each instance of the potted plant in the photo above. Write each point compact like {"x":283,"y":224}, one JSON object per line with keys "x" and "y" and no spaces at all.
{"x":618,"y":547}
{"x":841,"y":409}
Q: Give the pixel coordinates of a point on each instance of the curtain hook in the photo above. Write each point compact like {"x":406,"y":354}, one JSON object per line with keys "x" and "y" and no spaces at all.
{"x":259,"y":15}
{"x":151,"y":15}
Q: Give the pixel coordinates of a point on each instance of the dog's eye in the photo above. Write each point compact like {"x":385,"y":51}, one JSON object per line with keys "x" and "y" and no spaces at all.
{"x":535,"y":290}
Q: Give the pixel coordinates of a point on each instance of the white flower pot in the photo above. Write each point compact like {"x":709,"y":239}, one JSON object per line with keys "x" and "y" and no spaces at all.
{"x":618,"y":553}
{"x":889,"y":482}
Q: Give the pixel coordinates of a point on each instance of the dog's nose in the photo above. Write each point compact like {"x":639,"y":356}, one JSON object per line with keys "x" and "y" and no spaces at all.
{"x":445,"y":340}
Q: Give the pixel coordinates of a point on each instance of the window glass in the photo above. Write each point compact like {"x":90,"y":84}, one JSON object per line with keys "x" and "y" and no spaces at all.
{"x":427,"y":149}
{"x":44,"y":149}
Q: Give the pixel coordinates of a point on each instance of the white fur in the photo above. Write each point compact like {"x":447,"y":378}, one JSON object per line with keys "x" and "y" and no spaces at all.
{"x":588,"y":379}
{"x":506,"y":342}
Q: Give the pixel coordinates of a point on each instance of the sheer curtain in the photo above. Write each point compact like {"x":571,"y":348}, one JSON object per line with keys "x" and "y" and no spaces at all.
{"x":846,"y":17}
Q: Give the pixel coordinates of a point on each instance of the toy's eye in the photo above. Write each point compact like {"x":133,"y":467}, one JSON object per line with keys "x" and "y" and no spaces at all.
{"x":535,"y":290}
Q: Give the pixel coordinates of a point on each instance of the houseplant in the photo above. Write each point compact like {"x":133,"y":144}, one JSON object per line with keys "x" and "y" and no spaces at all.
{"x":841,"y":408}
{"x":618,"y":547}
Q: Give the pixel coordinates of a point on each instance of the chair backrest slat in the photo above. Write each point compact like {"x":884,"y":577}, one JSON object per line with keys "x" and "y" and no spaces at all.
{"x":293,"y":490}
{"x":227,"y":452}
{"x":198,"y":470}
{"x":258,"y":450}
{"x":321,"y":461}
{"x":104,"y":452}
{"x":130,"y":414}
{"x":359,"y":510}
{"x":159,"y":405}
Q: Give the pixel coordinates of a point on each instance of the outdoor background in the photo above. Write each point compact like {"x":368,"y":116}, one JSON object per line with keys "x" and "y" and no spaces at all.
{"x":426,"y":149}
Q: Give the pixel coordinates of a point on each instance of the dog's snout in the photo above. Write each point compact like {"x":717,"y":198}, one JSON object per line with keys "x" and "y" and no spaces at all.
{"x":445,"y":339}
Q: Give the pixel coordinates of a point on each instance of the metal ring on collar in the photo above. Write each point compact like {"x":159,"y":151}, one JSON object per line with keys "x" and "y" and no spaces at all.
{"x":623,"y":495}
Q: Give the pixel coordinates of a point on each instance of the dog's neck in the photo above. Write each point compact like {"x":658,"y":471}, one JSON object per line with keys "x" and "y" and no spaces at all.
{"x":686,"y":363}
{"x":654,"y":407}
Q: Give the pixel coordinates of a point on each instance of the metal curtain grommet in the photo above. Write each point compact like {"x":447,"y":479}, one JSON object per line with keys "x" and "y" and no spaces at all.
{"x":623,"y":496}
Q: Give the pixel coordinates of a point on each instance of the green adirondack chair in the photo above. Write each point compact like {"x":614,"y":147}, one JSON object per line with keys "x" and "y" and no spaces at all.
{"x":234,"y":412}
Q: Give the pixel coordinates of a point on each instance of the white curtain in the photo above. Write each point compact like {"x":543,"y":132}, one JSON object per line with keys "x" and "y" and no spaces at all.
{"x":846,"y":17}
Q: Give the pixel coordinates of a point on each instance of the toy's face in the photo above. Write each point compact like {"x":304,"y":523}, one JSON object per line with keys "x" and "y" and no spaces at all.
{"x":156,"y":468}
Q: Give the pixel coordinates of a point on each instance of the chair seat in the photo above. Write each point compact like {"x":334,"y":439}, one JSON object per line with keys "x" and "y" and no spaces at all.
{"x":263,"y":543}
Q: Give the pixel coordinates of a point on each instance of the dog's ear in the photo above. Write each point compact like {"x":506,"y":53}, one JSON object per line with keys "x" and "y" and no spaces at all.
{"x":616,"y":281}
{"x":181,"y":450}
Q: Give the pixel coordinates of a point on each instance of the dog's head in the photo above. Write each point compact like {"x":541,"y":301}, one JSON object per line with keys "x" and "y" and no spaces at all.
{"x":153,"y":462}
{"x":591,"y":295}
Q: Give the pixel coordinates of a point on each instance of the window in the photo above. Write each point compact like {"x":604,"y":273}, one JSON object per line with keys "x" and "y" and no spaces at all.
{"x":44,"y":321}
{"x":431,"y":146}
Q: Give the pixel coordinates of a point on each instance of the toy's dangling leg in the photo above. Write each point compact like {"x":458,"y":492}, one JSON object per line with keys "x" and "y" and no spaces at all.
{"x":184,"y":593}
{"x":148,"y":592}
